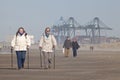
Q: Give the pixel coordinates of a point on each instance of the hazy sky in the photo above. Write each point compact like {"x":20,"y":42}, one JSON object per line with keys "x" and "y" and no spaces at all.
{"x":35,"y":15}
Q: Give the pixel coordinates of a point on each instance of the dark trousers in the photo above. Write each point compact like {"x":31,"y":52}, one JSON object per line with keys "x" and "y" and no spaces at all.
{"x":74,"y":52}
{"x":20,"y":58}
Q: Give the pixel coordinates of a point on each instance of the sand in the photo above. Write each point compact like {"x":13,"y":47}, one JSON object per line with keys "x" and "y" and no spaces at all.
{"x":96,"y":65}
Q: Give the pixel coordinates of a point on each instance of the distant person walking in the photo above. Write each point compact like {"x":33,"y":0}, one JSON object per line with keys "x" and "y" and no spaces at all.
{"x":47,"y":43}
{"x":21,"y":42}
{"x":67,"y":45}
{"x":75,"y":47}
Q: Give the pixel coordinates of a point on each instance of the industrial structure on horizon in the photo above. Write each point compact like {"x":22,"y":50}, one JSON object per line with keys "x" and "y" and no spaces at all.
{"x":92,"y":30}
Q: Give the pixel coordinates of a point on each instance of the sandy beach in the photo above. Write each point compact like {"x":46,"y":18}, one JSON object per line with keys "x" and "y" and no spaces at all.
{"x":96,"y":65}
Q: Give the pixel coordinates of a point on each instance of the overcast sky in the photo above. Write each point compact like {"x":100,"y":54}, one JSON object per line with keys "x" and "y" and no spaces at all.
{"x":35,"y":15}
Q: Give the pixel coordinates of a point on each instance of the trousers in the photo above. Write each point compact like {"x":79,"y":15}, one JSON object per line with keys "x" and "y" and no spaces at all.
{"x":47,"y":59}
{"x":20,"y":58}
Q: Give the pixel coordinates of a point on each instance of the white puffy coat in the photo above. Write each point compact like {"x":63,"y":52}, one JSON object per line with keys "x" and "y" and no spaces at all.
{"x":47,"y":43}
{"x":20,"y":43}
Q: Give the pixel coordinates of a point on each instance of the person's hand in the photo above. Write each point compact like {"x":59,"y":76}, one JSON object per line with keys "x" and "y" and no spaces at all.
{"x":28,"y":47}
{"x":40,"y":47}
{"x":53,"y":46}
{"x":11,"y":48}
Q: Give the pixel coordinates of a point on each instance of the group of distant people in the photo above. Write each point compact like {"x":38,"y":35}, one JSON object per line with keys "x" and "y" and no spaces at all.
{"x":68,"y":44}
{"x":21,"y":43}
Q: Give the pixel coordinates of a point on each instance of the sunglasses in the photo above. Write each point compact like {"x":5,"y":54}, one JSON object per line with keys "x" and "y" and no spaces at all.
{"x":48,"y":31}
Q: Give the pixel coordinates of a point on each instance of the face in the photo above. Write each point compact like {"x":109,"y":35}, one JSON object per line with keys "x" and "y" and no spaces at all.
{"x":74,"y":40}
{"x":47,"y":31}
{"x":21,"y":31}
{"x":68,"y":38}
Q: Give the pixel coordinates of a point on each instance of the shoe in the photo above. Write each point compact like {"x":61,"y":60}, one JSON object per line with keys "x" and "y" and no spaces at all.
{"x":66,"y":56}
{"x":45,"y":68}
{"x":22,"y":65}
{"x":49,"y":66}
{"x":18,"y":68}
{"x":49,"y":60}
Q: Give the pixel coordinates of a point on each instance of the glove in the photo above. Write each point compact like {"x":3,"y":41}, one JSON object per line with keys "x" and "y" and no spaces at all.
{"x":11,"y":48}
{"x":28,"y":47}
{"x":40,"y":48}
{"x":53,"y":46}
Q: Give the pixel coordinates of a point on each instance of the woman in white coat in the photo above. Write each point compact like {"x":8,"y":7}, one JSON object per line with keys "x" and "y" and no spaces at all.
{"x":47,"y":43}
{"x":21,"y":42}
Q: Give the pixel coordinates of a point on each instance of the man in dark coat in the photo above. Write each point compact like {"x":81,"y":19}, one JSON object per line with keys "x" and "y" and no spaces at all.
{"x":75,"y":46}
{"x":67,"y":45}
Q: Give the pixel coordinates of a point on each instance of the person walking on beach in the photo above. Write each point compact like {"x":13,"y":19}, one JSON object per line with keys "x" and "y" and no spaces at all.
{"x":47,"y":44}
{"x":67,"y":45}
{"x":20,"y":43}
{"x":75,"y":47}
